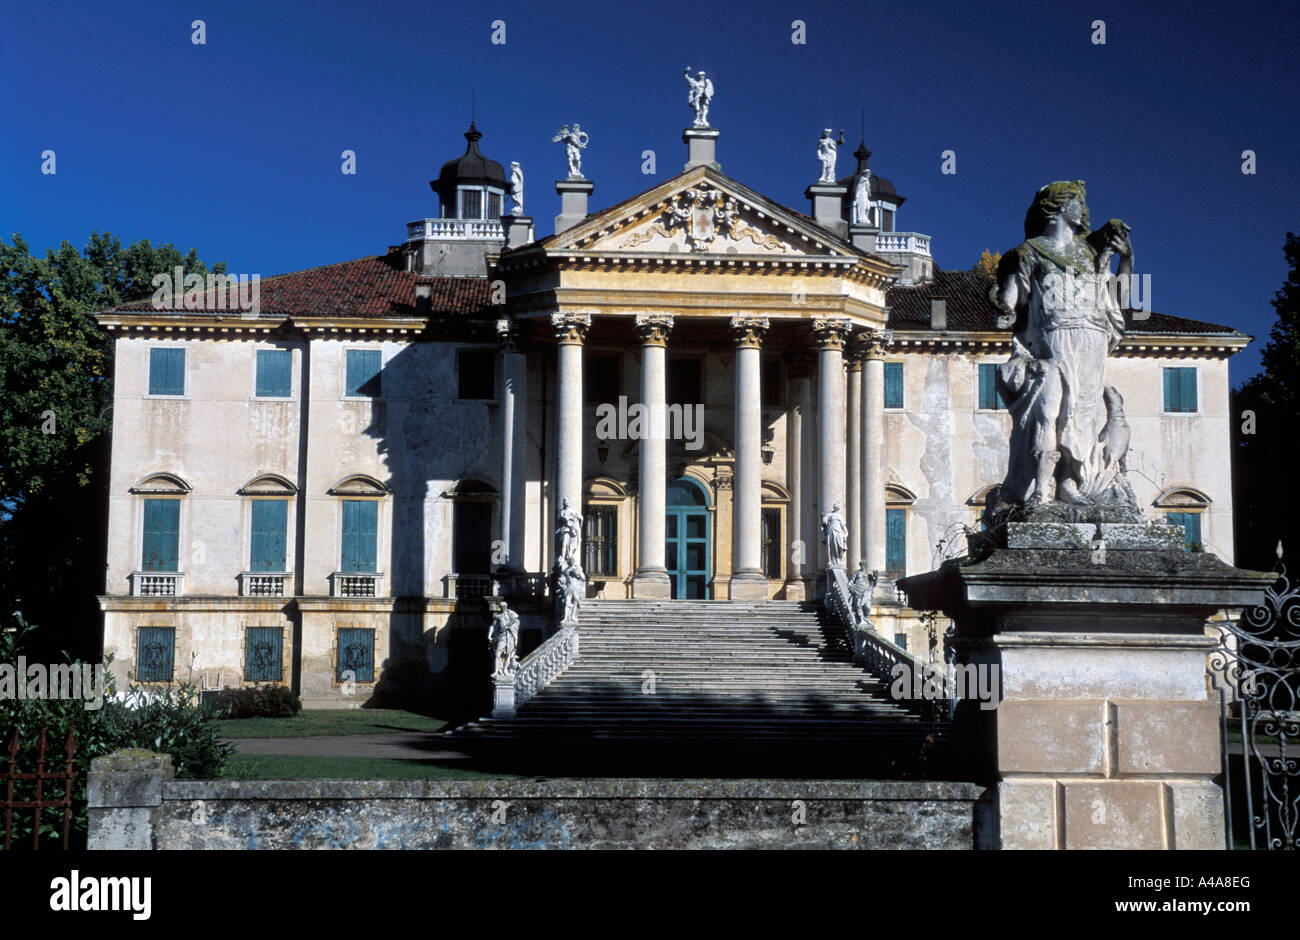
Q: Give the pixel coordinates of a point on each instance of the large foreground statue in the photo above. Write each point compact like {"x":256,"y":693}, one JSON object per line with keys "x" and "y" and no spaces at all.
{"x":1069,"y":436}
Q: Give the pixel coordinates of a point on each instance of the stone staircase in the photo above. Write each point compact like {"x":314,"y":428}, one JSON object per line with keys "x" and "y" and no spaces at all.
{"x":723,"y":679}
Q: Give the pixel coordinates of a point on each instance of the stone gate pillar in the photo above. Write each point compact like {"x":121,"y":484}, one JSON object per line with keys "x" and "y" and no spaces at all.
{"x":1105,"y":735}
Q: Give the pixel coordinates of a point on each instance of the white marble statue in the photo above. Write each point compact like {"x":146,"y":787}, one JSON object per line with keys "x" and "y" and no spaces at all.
{"x":862,"y":208}
{"x":504,"y":638}
{"x":569,"y":531}
{"x":827,"y":151}
{"x":1069,"y":435}
{"x":572,"y":588}
{"x":575,"y":141}
{"x":836,"y":534}
{"x":861,"y":587}
{"x":700,"y":95}
{"x":517,"y":188}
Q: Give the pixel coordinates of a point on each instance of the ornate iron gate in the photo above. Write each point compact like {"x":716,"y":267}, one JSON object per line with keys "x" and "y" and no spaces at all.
{"x":1256,"y":672}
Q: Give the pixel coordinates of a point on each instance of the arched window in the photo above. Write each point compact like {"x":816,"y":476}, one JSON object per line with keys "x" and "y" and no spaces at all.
{"x":161,"y":496}
{"x":361,"y":504}
{"x":268,"y":508}
{"x":776,"y":501}
{"x":603,"y":504}
{"x":898,"y":506}
{"x":1185,"y":506}
{"x":471,"y":528}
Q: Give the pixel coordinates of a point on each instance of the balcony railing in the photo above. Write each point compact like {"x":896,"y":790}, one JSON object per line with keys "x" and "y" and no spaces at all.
{"x":910,"y":242}
{"x":355,"y":584}
{"x":469,"y":585}
{"x":428,"y":229}
{"x":262,"y":584}
{"x":156,"y":584}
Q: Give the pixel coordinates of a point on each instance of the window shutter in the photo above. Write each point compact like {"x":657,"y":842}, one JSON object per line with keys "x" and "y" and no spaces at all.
{"x":166,"y":372}
{"x":155,"y":654}
{"x":264,"y":654}
{"x":893,"y":385}
{"x":356,"y":655}
{"x":896,"y":541}
{"x":1188,"y":389}
{"x":161,"y":535}
{"x":988,"y":386}
{"x":1171,"y":390}
{"x":270,"y":520}
{"x":273,"y":378}
{"x":360,"y":524}
{"x":363,"y":372}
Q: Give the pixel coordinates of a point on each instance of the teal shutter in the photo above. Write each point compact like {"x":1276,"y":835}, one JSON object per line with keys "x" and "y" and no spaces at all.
{"x":166,"y":371}
{"x":990,"y":396}
{"x":1187,"y":396}
{"x":1180,"y":389}
{"x":1191,"y":523}
{"x":363,"y":372}
{"x":896,"y":542}
{"x":270,"y":521}
{"x":155,"y":653}
{"x":162,"y":535}
{"x":264,"y":654}
{"x":273,"y":376}
{"x":360,"y":525}
{"x":893,"y":385}
{"x":1171,"y":389}
{"x":356,"y":655}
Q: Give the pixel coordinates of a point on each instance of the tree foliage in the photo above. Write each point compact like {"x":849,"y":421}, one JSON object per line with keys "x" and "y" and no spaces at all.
{"x":988,"y":263}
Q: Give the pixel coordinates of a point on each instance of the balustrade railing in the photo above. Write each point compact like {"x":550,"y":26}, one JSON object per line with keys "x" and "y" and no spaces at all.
{"x":155,"y":584}
{"x":427,"y":229}
{"x":913,"y":242}
{"x":544,"y":664}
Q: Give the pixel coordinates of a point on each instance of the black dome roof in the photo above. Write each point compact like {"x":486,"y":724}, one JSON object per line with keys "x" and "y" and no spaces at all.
{"x":879,"y":185}
{"x":471,"y":167}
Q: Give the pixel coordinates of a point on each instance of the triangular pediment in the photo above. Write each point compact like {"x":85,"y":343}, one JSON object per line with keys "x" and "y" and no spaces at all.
{"x":700,"y":212}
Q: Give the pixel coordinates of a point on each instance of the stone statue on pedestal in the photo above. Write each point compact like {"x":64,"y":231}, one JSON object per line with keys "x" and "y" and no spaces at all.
{"x":700,"y":95}
{"x":504,"y":638}
{"x":836,"y":534}
{"x":570,"y":535}
{"x":571,"y":587}
{"x":517,"y":188}
{"x":1069,"y":436}
{"x":861,"y":588}
{"x":827,"y":151}
{"x":575,"y":141}
{"x":862,"y":199}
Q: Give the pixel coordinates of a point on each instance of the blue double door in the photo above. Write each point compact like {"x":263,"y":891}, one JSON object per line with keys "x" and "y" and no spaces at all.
{"x":687,"y":541}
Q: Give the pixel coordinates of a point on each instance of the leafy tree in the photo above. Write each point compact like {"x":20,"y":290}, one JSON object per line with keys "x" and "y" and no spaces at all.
{"x":988,"y":263}
{"x":1264,"y":425}
{"x":56,"y":367}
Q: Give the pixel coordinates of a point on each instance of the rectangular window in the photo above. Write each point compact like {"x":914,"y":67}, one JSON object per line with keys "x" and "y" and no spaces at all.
{"x":893,"y":385}
{"x":360,"y":531}
{"x":685,"y":382}
{"x":900,"y":640}
{"x":476,"y":374}
{"x":1191,"y":523}
{"x":166,"y":371}
{"x":990,"y":394}
{"x":270,"y":523}
{"x":162,"y":535}
{"x":363,"y":380}
{"x":886,"y":220}
{"x":600,"y":540}
{"x":772,"y":544}
{"x":602,"y":383}
{"x":356,"y":655}
{"x":264,"y":654}
{"x":471,"y":204}
{"x":1180,"y":389}
{"x":155,"y":652}
{"x":895,"y":543}
{"x":274,"y":379}
{"x":494,"y":205}
{"x":773,"y":383}
{"x":471,"y":537}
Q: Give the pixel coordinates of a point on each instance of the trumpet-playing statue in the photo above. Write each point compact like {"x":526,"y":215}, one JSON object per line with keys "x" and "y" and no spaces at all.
{"x":1069,"y":436}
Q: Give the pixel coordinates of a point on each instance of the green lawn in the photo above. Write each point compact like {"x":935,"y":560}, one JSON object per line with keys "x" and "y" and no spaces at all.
{"x":311,"y":722}
{"x":298,"y":767}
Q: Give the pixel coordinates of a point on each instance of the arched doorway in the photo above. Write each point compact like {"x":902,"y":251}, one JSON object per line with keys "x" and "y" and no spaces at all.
{"x":687,"y":540}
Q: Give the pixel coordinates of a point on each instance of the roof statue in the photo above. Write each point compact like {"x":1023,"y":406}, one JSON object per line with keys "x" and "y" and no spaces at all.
{"x":700,"y":95}
{"x":575,"y":141}
{"x":1069,"y":436}
{"x":862,"y":208}
{"x":516,"y":188}
{"x":827,"y":151}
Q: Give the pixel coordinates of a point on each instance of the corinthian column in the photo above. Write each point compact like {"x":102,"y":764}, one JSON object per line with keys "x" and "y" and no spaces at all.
{"x":853,"y":512}
{"x":747,"y":579}
{"x":829,"y":334}
{"x":873,"y":450}
{"x":514,"y":405}
{"x":651,"y":578}
{"x":799,"y":451}
{"x":570,"y":332}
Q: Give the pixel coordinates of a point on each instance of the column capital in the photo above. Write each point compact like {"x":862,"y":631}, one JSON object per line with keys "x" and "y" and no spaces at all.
{"x":511,"y":336}
{"x":570,"y":328}
{"x":749,"y":331}
{"x":653,"y":328}
{"x":873,"y":343}
{"x":829,"y":332}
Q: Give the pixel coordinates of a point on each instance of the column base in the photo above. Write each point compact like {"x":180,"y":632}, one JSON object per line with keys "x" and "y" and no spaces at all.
{"x":748,"y":586}
{"x":796,"y":590}
{"x":652,"y":585}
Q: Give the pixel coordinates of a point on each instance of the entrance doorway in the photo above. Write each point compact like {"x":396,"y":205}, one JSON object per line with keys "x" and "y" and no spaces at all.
{"x":687,"y":542}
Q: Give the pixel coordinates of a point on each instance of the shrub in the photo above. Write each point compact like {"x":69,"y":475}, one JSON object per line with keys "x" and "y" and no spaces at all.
{"x":272,"y":701}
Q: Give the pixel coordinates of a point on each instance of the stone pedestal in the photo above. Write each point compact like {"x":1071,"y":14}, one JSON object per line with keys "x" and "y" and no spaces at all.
{"x":1105,"y":735}
{"x":863,"y":237}
{"x":573,"y":202}
{"x":519,"y":230}
{"x":701,"y":143}
{"x":828,"y":207}
{"x":503,"y":697}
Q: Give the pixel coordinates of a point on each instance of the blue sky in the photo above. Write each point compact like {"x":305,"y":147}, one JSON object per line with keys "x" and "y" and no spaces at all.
{"x":233,"y":147}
